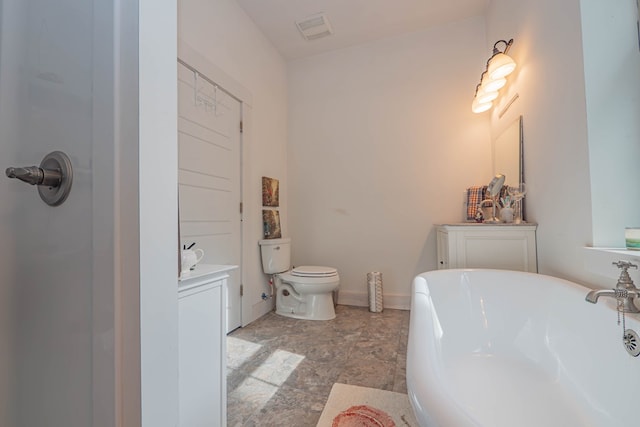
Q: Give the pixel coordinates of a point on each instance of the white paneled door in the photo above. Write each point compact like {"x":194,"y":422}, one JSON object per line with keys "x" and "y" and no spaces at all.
{"x":56,"y":262}
{"x":209,"y":141}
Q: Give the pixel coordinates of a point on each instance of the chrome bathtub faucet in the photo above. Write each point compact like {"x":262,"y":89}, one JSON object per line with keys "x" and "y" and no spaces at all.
{"x":625,"y":291}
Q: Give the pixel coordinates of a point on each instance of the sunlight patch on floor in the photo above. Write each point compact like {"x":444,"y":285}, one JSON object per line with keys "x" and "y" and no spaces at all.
{"x":264,"y":381}
{"x":277,"y":368}
{"x":240,"y":351}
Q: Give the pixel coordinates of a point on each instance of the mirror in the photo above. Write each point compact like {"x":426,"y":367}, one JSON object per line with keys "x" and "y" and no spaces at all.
{"x":507,"y":154}
{"x":494,"y":187}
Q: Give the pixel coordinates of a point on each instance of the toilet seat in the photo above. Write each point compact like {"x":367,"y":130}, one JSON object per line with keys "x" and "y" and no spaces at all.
{"x":306,"y":277}
{"x":314,"y":271}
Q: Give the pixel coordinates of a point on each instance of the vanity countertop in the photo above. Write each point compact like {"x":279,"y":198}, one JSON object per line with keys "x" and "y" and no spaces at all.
{"x":201,"y":271}
{"x":482,"y":224}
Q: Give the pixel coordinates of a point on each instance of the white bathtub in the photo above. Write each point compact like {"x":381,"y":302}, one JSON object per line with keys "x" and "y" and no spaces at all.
{"x":507,"y":349}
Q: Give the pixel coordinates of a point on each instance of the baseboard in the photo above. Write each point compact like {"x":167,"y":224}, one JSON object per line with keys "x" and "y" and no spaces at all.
{"x":361,"y":299}
{"x":358,"y":299}
{"x":261,"y":308}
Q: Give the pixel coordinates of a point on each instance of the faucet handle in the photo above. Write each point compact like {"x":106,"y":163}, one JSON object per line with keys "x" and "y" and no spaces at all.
{"x":624,"y":265}
{"x":625,"y":281}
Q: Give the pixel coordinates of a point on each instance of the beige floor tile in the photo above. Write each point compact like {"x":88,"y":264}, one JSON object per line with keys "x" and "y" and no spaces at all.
{"x":281,"y":370}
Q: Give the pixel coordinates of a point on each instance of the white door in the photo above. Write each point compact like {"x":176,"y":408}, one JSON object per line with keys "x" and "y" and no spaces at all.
{"x":209,"y":138}
{"x":50,"y":372}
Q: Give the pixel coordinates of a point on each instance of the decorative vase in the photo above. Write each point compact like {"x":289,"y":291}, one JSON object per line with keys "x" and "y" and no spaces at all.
{"x":506,"y":215}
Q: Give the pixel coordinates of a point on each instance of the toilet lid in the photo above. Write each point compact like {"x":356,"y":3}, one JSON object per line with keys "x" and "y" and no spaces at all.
{"x":313,"y":271}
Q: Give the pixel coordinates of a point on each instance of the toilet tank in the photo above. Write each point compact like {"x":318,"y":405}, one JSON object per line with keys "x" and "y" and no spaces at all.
{"x":276,"y":255}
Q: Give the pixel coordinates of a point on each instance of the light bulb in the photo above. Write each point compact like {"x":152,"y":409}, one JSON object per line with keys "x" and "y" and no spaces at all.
{"x":480,"y":107}
{"x":500,"y":65}
{"x":483,"y":96}
{"x":489,"y":85}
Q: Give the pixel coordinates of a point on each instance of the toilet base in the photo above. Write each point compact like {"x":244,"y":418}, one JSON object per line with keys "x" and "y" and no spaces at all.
{"x":306,"y":307}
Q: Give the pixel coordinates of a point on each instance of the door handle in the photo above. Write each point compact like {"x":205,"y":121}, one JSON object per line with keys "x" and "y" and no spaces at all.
{"x":35,"y":175}
{"x":53,"y":177}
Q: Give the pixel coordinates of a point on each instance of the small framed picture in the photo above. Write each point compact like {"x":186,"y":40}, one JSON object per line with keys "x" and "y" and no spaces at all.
{"x":270,"y":192}
{"x":271,"y":224}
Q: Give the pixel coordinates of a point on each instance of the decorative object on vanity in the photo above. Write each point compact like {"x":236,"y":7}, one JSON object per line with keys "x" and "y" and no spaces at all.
{"x":517,"y":194}
{"x":304,"y":292}
{"x":632,"y":238}
{"x":493,"y":78}
{"x":506,"y":214}
{"x":271,"y":224}
{"x":493,"y":190}
{"x":270,"y":192}
{"x":475,"y":195}
{"x":486,"y":209}
{"x":507,"y":210}
{"x":479,"y":203}
{"x":189,"y":259}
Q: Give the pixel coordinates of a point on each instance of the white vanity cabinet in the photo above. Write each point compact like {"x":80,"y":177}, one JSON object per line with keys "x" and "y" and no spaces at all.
{"x":501,"y":246}
{"x":202,"y":346}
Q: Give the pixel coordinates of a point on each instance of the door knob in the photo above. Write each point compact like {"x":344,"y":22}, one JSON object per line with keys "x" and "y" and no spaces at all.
{"x":53,"y":177}
{"x":35,"y":175}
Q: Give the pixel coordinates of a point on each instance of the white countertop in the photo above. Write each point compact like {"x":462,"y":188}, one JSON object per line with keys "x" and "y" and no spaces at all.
{"x":484,"y":224}
{"x":203,"y":271}
{"x":617,"y":251}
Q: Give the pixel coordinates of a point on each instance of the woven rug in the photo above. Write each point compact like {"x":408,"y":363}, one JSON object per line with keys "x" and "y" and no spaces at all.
{"x":351,"y":406}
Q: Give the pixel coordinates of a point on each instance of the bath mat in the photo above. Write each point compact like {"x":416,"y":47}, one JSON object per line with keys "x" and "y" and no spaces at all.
{"x":351,"y":406}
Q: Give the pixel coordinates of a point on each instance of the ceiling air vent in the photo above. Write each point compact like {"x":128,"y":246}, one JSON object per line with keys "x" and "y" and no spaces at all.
{"x":315,"y":27}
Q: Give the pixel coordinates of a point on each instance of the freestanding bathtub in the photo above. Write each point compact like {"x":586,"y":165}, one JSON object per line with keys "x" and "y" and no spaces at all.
{"x":508,"y":349}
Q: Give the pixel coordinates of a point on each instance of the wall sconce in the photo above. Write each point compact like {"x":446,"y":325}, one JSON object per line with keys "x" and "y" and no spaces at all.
{"x":493,"y":78}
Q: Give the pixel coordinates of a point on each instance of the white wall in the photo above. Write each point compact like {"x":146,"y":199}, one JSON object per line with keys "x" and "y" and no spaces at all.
{"x":612,"y":77}
{"x":158,"y":212}
{"x":222,"y":32}
{"x":550,"y":83}
{"x":382,"y":145}
{"x":580,"y":143}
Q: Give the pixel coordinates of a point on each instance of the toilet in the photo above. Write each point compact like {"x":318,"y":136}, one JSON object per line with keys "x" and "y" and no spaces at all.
{"x":302,"y":292}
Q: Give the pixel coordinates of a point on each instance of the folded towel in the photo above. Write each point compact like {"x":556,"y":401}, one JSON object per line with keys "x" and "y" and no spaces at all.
{"x":475,"y":195}
{"x":504,"y":192}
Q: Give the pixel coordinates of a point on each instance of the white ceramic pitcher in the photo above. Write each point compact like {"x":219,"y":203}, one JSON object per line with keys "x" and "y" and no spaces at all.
{"x":190,"y":258}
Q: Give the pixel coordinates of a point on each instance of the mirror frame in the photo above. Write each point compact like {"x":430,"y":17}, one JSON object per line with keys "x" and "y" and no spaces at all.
{"x":523,"y":204}
{"x":521,"y":151}
{"x":520,"y":144}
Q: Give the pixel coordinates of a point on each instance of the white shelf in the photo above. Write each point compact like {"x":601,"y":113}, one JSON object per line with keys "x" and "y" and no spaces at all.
{"x":599,"y":261}
{"x":617,"y":251}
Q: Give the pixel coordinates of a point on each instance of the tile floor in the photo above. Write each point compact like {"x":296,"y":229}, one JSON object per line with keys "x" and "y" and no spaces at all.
{"x":281,"y":370}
